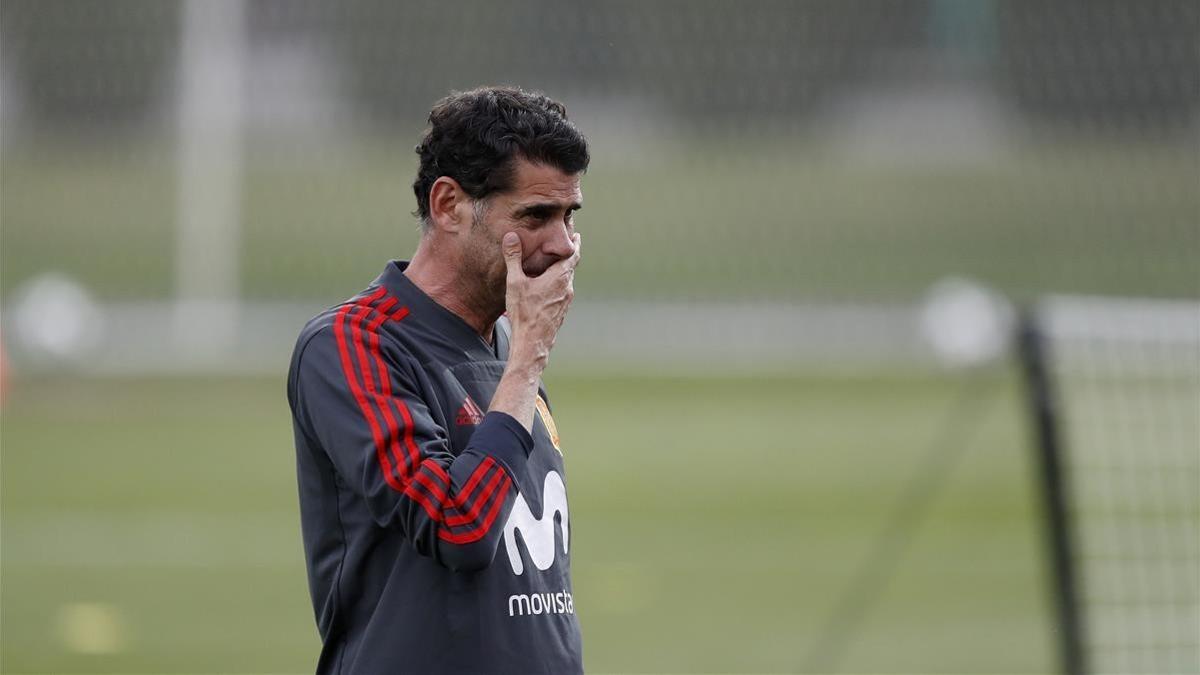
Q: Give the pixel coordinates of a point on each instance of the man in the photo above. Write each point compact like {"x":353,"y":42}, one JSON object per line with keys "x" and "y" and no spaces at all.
{"x":436,"y":533}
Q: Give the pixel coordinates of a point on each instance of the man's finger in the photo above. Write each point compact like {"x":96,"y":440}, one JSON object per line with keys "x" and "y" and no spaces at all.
{"x":511,"y":246}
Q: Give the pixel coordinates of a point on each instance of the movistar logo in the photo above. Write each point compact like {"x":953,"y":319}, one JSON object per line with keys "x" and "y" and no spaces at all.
{"x":538,"y":533}
{"x":541,"y":603}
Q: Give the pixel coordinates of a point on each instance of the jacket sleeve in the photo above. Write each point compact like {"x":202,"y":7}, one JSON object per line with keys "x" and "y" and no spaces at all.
{"x":358,"y":399}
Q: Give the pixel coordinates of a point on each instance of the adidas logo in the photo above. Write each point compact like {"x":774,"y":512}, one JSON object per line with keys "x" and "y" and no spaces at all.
{"x":468,"y":414}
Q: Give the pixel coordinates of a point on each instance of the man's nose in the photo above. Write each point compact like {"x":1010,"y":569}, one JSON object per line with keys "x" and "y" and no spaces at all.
{"x":560,"y":244}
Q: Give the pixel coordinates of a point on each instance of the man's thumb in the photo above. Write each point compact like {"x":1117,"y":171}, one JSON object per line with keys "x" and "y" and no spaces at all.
{"x":511,"y":245}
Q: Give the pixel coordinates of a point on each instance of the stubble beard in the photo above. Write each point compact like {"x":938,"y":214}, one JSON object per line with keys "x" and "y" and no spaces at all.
{"x":484,"y":273}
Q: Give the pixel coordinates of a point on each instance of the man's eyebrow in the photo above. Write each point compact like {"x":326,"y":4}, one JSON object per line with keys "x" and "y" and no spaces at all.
{"x":543,"y":208}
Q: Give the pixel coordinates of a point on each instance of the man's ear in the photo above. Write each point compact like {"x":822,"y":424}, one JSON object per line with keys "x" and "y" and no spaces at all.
{"x":449,"y":205}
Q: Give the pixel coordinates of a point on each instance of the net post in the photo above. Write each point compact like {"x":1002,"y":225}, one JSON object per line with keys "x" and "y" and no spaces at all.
{"x":209,"y":176}
{"x":1043,"y":414}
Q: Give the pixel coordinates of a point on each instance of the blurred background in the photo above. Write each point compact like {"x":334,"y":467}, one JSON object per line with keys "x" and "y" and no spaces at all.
{"x":795,"y":435}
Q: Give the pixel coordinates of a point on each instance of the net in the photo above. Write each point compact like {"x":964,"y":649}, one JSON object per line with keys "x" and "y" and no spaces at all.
{"x":1126,"y":375}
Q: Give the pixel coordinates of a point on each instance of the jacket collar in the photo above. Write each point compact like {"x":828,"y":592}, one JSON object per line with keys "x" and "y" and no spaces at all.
{"x":441,"y":319}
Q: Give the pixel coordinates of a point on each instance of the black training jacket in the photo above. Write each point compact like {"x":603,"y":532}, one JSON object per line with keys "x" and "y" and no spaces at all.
{"x":437,"y":535}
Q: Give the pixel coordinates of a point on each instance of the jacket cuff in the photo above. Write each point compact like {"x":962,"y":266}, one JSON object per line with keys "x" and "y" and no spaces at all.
{"x":503,"y":437}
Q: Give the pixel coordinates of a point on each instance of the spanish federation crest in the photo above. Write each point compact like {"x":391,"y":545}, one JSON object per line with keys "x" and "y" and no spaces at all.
{"x":548,"y":420}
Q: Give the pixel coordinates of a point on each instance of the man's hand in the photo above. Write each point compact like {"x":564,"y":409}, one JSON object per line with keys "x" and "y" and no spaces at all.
{"x":536,"y":307}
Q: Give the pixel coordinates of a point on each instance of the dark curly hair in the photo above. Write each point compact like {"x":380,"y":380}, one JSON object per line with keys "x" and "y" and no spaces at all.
{"x":476,"y":136}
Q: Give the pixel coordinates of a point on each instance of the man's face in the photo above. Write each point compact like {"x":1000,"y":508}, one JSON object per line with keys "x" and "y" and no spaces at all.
{"x":539,"y":208}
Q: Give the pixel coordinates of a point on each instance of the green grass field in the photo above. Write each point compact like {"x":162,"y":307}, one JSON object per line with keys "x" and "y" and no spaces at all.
{"x":150,"y":525}
{"x":714,"y":522}
{"x":701,"y":222}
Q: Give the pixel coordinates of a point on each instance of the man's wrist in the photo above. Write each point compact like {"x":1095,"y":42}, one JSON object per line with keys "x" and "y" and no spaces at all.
{"x":526,"y":363}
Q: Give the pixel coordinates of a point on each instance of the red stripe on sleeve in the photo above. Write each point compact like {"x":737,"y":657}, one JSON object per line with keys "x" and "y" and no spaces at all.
{"x":404,"y":476}
{"x":432,"y":488}
{"x":473,"y":513}
{"x":422,"y":499}
{"x":465,"y":499}
{"x":436,"y":468}
{"x":413,"y":453}
{"x":348,"y":371}
{"x":372,"y":393}
{"x":384,"y":398}
{"x":480,"y":470}
{"x":469,"y":505}
{"x":482,"y":529}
